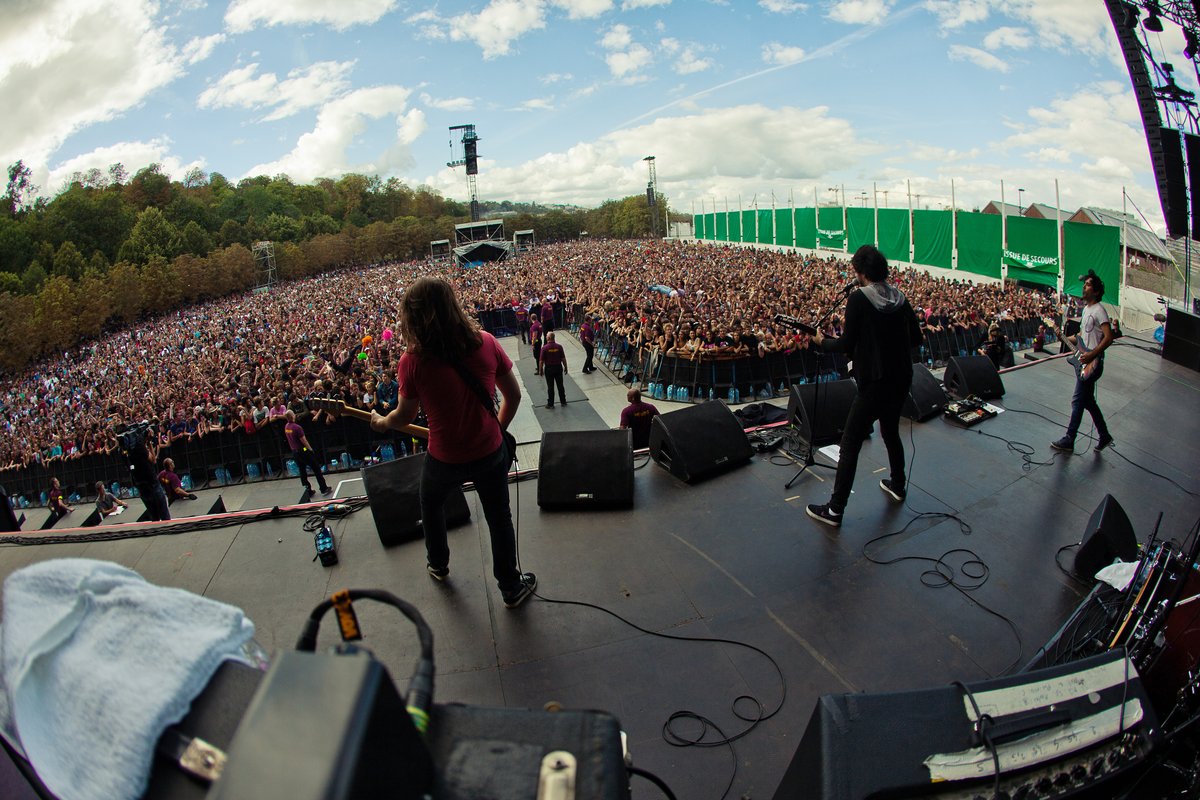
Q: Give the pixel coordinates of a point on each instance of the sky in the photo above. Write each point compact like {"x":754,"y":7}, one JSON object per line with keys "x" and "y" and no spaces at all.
{"x":744,"y":102}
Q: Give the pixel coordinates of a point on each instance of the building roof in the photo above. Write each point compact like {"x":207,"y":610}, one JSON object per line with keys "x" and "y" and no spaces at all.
{"x":1046,"y":211}
{"x":1137,"y":237}
{"x":995,"y":206}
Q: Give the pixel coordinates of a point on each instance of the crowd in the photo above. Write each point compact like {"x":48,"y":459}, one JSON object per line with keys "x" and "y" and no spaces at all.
{"x":241,"y":363}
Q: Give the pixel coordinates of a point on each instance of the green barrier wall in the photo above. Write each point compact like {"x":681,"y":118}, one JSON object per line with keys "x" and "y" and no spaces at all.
{"x":1095,"y":247}
{"x":806,"y":227}
{"x":893,"y":233}
{"x":722,"y":227}
{"x":1031,"y":252}
{"x":766,"y":233}
{"x":748,"y":234}
{"x":932,"y":238}
{"x":784,"y":234}
{"x":735,"y":226}
{"x":861,"y":224}
{"x":980,"y":243}
{"x":831,"y":229}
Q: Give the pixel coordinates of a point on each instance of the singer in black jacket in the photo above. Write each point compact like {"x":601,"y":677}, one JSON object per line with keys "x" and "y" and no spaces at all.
{"x":880,"y":331}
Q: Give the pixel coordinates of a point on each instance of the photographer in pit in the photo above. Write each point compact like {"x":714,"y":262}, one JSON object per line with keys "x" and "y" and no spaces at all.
{"x":138,"y":445}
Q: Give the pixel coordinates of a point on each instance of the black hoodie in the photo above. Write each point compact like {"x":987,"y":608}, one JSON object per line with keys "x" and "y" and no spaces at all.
{"x":880,"y":331}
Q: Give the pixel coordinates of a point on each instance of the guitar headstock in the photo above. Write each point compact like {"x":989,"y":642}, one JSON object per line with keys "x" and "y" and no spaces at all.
{"x":326,"y":404}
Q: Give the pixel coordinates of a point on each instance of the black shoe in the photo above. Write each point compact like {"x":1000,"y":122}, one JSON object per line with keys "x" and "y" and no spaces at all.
{"x":823,"y":513}
{"x":517,"y":596}
{"x":1064,"y":445}
{"x":564,"y":402}
{"x":549,"y":405}
{"x":890,"y":489}
{"x":326,"y":490}
{"x":439,"y":574}
{"x":193,"y":497}
{"x":1104,"y":442}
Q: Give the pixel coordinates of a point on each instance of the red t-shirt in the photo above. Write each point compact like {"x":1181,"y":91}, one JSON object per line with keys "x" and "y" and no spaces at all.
{"x":460,"y":428}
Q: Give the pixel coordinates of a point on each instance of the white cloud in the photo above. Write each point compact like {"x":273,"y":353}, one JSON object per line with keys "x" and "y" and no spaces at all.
{"x":449,"y":103}
{"x":980,"y":58}
{"x":782,"y":6}
{"x":627,"y":63}
{"x":689,"y":63}
{"x":617,"y":37}
{"x":954,"y":14}
{"x":201,"y":48}
{"x":776,"y":53}
{"x":306,"y":87}
{"x":860,"y":12}
{"x":584,"y":9}
{"x":498,"y":25}
{"x":245,"y":15}
{"x":322,"y":152}
{"x":556,"y":77}
{"x":632,"y":4}
{"x":692,"y":156}
{"x":537,"y":104}
{"x":1016,"y":38}
{"x":670,"y":45}
{"x":66,"y":65}
{"x":134,"y":155}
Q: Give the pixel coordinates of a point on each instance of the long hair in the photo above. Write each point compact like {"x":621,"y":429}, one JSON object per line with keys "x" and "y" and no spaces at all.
{"x":434,"y":324}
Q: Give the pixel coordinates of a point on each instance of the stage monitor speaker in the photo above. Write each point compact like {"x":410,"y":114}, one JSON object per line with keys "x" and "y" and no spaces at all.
{"x":93,"y":519}
{"x":973,"y":375}
{"x":1175,"y":204}
{"x":1109,"y":535}
{"x":823,"y":424}
{"x":926,"y":398}
{"x":932,"y":743}
{"x":698,"y":442}
{"x":393,"y":493}
{"x":586,"y":469}
{"x":218,"y":506}
{"x":1181,"y":338}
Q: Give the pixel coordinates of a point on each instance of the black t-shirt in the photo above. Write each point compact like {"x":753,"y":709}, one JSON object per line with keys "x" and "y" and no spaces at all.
{"x":880,"y":343}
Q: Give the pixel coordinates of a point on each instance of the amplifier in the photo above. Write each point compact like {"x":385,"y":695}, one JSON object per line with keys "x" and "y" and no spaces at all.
{"x":1054,"y":733}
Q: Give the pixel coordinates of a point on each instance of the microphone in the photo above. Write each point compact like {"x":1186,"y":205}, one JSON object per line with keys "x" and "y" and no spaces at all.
{"x":851,"y":286}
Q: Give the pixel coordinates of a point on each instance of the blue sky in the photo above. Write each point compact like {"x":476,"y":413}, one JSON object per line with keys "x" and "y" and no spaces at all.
{"x":750,"y":99}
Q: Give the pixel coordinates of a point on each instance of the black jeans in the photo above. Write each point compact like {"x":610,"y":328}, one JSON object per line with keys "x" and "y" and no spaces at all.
{"x":490,"y":475}
{"x":590,"y":349}
{"x":155,"y":498}
{"x":554,"y":377}
{"x":883,"y":402}
{"x":306,"y":460}
{"x":1085,"y":399}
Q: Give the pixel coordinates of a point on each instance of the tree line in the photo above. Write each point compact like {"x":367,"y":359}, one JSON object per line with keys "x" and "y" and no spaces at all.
{"x":111,"y":248}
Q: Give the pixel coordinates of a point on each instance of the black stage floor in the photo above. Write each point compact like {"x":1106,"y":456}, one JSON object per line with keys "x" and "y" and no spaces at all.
{"x":736,"y":558}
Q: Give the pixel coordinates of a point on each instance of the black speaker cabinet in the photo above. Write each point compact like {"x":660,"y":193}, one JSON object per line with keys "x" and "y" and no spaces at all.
{"x":1108,"y":535}
{"x":698,"y":442}
{"x":822,"y":424}
{"x":1181,"y":339}
{"x":8,"y":517}
{"x":393,"y":493}
{"x":926,"y":398}
{"x":973,"y":375}
{"x":586,"y":469}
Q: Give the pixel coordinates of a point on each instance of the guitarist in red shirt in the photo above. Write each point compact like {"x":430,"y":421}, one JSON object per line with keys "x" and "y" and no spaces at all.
{"x":1094,"y":337}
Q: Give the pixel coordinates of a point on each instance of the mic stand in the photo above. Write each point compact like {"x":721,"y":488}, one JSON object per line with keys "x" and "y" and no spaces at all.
{"x":810,"y":460}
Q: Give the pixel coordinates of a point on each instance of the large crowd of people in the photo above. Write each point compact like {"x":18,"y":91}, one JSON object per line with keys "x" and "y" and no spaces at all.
{"x":242,"y":362}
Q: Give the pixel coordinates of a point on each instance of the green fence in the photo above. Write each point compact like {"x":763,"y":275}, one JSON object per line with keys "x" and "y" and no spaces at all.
{"x":985,"y":244}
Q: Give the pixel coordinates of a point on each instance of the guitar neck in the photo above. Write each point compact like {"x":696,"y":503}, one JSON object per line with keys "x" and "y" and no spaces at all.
{"x":365,"y":416}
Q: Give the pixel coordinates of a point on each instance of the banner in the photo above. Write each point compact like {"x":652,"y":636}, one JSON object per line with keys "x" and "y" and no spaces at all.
{"x":735,"y":226}
{"x":893,"y":234}
{"x":722,"y":226}
{"x":831,"y":228}
{"x":861,"y":224}
{"x":1094,"y":247}
{"x":806,"y":227}
{"x":980,"y":242}
{"x":932,"y":237}
{"x":748,"y":221}
{"x":1032,"y":245}
{"x":766,"y":233}
{"x":783,"y":227}
{"x":698,"y":226}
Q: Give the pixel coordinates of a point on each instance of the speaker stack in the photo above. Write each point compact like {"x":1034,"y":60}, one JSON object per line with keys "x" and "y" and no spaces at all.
{"x":976,"y":376}
{"x":1181,"y":338}
{"x":393,"y":492}
{"x":699,"y":442}
{"x":586,"y":469}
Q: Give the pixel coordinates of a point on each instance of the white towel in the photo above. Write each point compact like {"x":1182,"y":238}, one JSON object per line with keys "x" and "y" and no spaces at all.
{"x":95,"y":663}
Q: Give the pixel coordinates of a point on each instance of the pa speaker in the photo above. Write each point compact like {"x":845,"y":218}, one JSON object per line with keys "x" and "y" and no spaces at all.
{"x":586,"y":469}
{"x":698,"y":442}
{"x":8,"y":517}
{"x":926,"y":398}
{"x":973,"y":375}
{"x":819,"y":410}
{"x":1191,"y":143}
{"x":1109,"y":535}
{"x":1181,"y":340}
{"x":1175,"y":204}
{"x":393,"y":494}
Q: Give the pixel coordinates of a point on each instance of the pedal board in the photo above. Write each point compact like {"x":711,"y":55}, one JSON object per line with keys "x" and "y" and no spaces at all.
{"x":968,"y":412}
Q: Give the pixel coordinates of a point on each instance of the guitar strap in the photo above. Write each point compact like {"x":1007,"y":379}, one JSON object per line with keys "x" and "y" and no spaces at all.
{"x":472,"y":382}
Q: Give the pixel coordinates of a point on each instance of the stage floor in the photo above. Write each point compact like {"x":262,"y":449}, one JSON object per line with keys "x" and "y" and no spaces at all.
{"x":736,"y":558}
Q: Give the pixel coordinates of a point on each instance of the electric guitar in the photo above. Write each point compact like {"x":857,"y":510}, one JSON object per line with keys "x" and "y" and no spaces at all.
{"x":788,"y":321}
{"x":1084,"y":372}
{"x":339,"y":409}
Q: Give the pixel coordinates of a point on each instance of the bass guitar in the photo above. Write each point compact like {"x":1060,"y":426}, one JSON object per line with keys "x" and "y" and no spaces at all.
{"x":1084,"y":372}
{"x":339,"y":409}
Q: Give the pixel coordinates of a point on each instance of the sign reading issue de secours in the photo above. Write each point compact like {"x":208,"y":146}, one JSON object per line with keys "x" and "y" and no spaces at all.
{"x":831,"y":238}
{"x":1027,"y":261}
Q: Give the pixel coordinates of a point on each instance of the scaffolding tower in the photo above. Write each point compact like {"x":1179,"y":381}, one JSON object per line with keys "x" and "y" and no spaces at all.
{"x":470,"y":160}
{"x":652,"y":196}
{"x":264,"y":259}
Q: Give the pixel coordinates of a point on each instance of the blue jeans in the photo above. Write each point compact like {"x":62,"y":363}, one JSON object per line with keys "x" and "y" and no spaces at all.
{"x":881,"y":402}
{"x":1085,"y":399}
{"x":490,"y":475}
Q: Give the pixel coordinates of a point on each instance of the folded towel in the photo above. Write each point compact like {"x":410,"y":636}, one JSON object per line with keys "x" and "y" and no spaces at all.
{"x":95,"y":663}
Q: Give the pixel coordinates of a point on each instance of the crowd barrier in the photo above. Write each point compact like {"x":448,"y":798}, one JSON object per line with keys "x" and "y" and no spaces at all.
{"x":216,"y":459}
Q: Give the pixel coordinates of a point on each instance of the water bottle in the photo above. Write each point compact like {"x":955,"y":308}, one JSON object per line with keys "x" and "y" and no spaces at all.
{"x":293,"y":469}
{"x":712,"y":395}
{"x":186,"y":481}
{"x":737,"y":395}
{"x":345,"y":461}
{"x":387,"y":452}
{"x":252,"y":471}
{"x":782,"y":389}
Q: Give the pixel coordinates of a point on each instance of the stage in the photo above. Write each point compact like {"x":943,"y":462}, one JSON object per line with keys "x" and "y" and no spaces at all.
{"x":734,"y":557}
